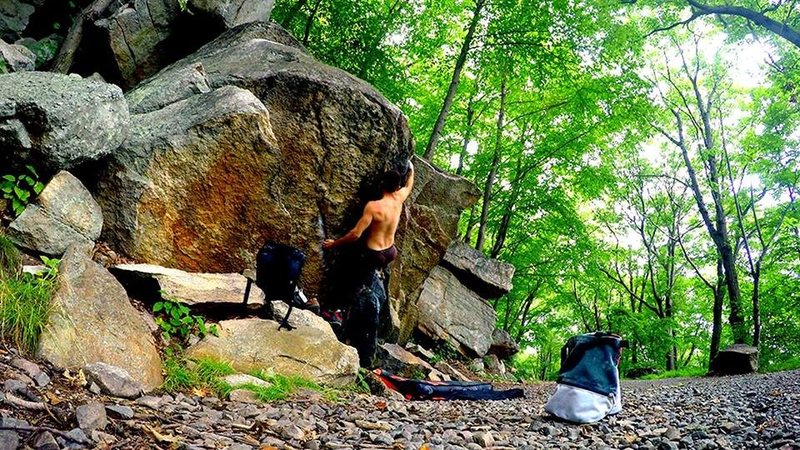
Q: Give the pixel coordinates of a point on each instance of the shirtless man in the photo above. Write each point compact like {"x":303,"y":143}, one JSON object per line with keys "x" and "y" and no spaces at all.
{"x":380,"y":219}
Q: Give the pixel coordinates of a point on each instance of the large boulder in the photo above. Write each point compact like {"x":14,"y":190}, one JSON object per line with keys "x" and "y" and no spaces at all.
{"x":64,"y":214}
{"x":58,"y":122}
{"x":190,"y":188}
{"x":450,"y":312}
{"x":141,"y":37}
{"x":92,"y":321}
{"x":147,"y":281}
{"x":229,"y":188}
{"x":736,"y":359}
{"x":489,"y":278}
{"x":256,"y":344}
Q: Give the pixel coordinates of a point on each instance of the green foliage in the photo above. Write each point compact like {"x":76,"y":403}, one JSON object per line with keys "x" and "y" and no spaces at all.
{"x":25,"y":306}
{"x":681,"y":373}
{"x":20,"y":189}
{"x":10,"y":258}
{"x":176,"y":320}
{"x":44,"y":49}
{"x":282,"y":387}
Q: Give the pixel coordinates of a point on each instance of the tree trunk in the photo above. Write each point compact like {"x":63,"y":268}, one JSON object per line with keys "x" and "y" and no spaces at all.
{"x":310,"y":22}
{"x":716,"y":328}
{"x":490,"y":179}
{"x":456,"y":79}
{"x":756,"y":306}
{"x":467,"y":136}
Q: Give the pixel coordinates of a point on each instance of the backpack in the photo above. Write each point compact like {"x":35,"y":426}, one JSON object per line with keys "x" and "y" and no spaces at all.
{"x":588,"y":387}
{"x":278,"y":268}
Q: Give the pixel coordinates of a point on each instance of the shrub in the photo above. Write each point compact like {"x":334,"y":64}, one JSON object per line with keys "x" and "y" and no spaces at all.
{"x":21,"y":189}
{"x":176,"y":320}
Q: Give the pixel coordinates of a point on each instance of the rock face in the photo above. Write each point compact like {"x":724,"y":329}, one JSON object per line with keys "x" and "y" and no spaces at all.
{"x":428,"y":225}
{"x":64,"y":213}
{"x":232,"y":186}
{"x":58,"y":121}
{"x":146,"y":281}
{"x":143,"y":36}
{"x":736,"y":359}
{"x":450,"y":312}
{"x":489,"y":278}
{"x":16,"y":58}
{"x":92,"y":321}
{"x":254,"y":344}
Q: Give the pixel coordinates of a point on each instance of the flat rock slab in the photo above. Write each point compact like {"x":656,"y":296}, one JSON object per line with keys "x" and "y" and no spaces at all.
{"x":59,"y":121}
{"x":489,"y":278}
{"x":92,"y":320}
{"x":256,"y":344}
{"x":237,"y":380}
{"x":736,"y":359}
{"x":148,"y":280}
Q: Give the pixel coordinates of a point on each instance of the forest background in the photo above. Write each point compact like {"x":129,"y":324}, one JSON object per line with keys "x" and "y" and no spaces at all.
{"x":638,"y":159}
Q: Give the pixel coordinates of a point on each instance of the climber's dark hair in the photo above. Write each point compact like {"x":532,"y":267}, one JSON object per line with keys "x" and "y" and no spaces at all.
{"x":392,"y":181}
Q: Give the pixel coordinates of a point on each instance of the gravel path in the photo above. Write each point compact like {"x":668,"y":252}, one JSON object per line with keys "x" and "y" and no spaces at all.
{"x":755,"y":411}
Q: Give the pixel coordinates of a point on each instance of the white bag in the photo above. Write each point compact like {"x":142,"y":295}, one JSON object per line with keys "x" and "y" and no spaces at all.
{"x":588,"y":386}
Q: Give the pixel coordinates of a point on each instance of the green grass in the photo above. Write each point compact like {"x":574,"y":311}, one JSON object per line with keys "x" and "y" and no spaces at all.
{"x":25,"y":303}
{"x":789,"y":364}
{"x":686,"y":372}
{"x":206,"y":375}
{"x":203,"y":374}
{"x":10,"y":259}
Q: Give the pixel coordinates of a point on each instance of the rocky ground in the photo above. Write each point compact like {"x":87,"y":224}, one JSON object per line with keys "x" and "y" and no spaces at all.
{"x":755,"y":411}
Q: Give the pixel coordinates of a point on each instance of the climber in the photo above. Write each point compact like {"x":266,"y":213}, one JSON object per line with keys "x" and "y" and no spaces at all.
{"x":380,"y":220}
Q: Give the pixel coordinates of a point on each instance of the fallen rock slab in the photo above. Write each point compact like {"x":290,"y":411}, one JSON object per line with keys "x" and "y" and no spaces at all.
{"x":450,"y":312}
{"x":92,"y":320}
{"x":65,"y":213}
{"x":489,"y":278}
{"x":238,"y":380}
{"x":58,"y":122}
{"x":398,"y":361}
{"x":148,"y":280}
{"x":257,"y":344}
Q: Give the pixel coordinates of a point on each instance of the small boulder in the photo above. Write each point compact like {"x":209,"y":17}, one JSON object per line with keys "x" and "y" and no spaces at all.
{"x":736,"y":359}
{"x":59,"y":121}
{"x":64,"y":214}
{"x":113,"y":380}
{"x":494,"y":365}
{"x":45,"y":441}
{"x":243,"y":396}
{"x":256,"y":344}
{"x":92,"y":320}
{"x":503,"y":345}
